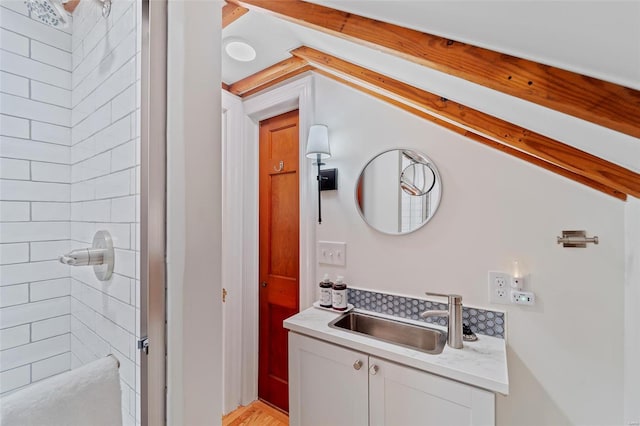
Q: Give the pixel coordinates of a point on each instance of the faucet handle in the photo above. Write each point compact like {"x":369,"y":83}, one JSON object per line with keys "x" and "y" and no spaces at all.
{"x":454,"y":299}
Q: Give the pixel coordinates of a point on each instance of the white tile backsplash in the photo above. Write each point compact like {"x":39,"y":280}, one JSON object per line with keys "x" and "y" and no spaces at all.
{"x":34,"y":70}
{"x":114,"y":135}
{"x":123,"y":156}
{"x":14,"y":336}
{"x":24,"y":190}
{"x":13,"y":84}
{"x":17,"y":232}
{"x":125,"y":263}
{"x":15,"y":5}
{"x":114,"y":185}
{"x":51,"y":327}
{"x":123,"y":104}
{"x":14,"y":295}
{"x":32,"y":352}
{"x":49,"y":289}
{"x":49,"y":250}
{"x":35,"y":173}
{"x":95,"y":343}
{"x":32,"y":150}
{"x":81,"y":352}
{"x":92,"y":124}
{"x":51,"y":366}
{"x":50,"y":133}
{"x":14,"y":169}
{"x":50,"y":211}
{"x":31,"y":312}
{"x":98,"y":165}
{"x":19,"y":273}
{"x":14,"y":253}
{"x":123,"y":209}
{"x":35,"y":110}
{"x":82,"y":191}
{"x":91,"y":211}
{"x":14,"y":126}
{"x":14,"y":211}
{"x":14,"y":379}
{"x":50,"y":94}
{"x":51,"y":172}
{"x":51,"y":55}
{"x":14,"y":43}
{"x":69,"y":102}
{"x":21,"y":24}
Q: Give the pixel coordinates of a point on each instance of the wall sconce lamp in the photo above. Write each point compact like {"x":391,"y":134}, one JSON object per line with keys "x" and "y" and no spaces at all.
{"x":318,"y":149}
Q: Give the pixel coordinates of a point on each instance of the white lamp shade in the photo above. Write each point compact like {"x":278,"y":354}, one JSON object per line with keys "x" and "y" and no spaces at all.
{"x":318,"y":142}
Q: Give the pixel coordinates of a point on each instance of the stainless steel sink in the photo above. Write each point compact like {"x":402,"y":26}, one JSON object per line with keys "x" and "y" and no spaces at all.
{"x":425,"y":339}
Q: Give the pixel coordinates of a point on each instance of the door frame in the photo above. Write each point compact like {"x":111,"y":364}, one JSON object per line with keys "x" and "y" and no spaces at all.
{"x":232,"y":260}
{"x":296,"y":94}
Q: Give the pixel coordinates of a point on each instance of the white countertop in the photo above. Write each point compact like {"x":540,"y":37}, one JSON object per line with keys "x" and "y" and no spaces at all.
{"x":482,"y":363}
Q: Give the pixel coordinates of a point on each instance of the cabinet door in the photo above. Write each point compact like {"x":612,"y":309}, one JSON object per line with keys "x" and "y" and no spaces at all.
{"x":405,"y":396}
{"x":328,"y":384}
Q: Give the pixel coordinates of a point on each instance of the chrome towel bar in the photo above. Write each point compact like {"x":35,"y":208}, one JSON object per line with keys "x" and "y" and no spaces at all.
{"x":576,"y":239}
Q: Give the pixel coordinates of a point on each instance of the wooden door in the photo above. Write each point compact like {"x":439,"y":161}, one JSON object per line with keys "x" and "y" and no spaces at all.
{"x":279,"y":249}
{"x":329,"y":384}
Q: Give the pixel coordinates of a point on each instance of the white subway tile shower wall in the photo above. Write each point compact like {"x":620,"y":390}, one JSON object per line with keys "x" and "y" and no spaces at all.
{"x":104,"y":187}
{"x":70,"y":108}
{"x":35,"y":190}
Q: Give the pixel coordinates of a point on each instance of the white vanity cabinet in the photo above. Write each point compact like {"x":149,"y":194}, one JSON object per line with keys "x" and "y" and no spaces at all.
{"x":328,"y":384}
{"x":400,"y":395}
{"x":333,"y":385}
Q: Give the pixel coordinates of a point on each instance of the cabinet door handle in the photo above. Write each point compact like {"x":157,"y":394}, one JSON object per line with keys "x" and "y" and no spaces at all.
{"x":263,"y":283}
{"x":373,"y":370}
{"x":357,"y":365}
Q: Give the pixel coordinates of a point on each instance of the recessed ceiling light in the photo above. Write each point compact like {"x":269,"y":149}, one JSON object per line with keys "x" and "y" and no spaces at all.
{"x":239,"y":50}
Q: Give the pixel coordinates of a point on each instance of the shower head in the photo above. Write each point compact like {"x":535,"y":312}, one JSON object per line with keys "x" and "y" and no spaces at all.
{"x":49,"y":12}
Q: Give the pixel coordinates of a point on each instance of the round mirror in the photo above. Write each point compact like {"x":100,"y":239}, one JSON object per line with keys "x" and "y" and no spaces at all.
{"x":398,"y":191}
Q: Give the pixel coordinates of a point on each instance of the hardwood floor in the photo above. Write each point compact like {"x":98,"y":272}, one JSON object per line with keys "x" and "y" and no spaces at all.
{"x":257,"y":413}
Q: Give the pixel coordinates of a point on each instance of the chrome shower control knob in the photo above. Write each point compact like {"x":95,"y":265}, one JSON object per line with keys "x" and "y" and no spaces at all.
{"x":373,"y":370}
{"x":357,"y":365}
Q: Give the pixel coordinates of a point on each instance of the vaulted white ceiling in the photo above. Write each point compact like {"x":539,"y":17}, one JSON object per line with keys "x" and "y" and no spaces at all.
{"x":595,"y":38}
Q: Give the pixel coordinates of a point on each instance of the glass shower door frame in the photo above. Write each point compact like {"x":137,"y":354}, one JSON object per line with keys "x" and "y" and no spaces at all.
{"x":153,"y":211}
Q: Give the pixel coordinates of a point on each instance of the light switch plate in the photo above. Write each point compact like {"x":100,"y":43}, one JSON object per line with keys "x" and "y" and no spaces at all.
{"x":332,"y":253}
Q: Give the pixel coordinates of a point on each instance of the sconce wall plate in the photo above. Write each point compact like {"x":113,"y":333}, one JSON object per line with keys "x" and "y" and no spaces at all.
{"x":328,"y":179}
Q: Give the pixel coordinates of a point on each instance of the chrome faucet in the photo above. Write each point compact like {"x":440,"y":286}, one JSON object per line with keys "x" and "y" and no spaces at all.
{"x":454,"y":331}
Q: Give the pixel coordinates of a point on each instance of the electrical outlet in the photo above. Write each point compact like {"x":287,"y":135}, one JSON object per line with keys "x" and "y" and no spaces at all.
{"x":523,"y":297}
{"x":498,"y":287}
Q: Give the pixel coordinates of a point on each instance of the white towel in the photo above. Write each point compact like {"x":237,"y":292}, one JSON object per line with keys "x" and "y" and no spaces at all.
{"x":89,"y":395}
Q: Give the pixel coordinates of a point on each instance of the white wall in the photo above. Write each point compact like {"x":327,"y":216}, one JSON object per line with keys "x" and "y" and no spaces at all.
{"x":194,"y":174}
{"x":105,"y":188}
{"x":35,"y":118}
{"x":494,"y":209}
{"x":632,"y":313}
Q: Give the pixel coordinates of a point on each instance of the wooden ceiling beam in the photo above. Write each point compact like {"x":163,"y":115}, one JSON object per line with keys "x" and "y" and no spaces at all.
{"x":231,"y":12}
{"x":269,"y":76}
{"x":597,"y":101}
{"x":479,"y":138}
{"x":516,"y":138}
{"x":277,"y":80}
